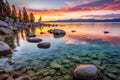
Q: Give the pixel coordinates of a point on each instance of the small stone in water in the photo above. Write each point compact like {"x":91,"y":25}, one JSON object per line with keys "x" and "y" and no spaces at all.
{"x":11,"y":62}
{"x":23,"y":78}
{"x":10,"y":78}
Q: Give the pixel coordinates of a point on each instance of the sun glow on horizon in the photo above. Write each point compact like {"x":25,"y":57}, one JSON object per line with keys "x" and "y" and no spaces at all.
{"x":51,"y":10}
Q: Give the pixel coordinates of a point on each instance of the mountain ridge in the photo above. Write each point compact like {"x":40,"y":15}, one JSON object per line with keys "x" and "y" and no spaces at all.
{"x":88,"y":20}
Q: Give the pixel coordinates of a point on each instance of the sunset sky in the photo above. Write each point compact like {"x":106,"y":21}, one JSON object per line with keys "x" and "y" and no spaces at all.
{"x":70,"y":9}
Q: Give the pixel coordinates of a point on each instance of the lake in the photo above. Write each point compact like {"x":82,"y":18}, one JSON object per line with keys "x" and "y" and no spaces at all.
{"x":83,"y":43}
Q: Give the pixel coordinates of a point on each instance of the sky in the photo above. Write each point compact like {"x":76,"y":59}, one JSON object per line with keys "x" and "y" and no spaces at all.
{"x":70,"y":9}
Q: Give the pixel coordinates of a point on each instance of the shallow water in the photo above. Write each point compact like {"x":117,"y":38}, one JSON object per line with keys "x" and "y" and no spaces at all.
{"x":88,"y":45}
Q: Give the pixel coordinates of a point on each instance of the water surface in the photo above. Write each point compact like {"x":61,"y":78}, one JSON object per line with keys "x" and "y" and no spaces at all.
{"x":88,"y":45}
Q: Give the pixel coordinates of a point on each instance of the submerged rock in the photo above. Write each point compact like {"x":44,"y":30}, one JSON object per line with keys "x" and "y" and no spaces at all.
{"x":86,"y":72}
{"x":4,"y":76}
{"x":11,"y":62}
{"x":35,"y":40}
{"x":44,"y":45}
{"x":4,"y":49}
{"x":55,"y":65}
{"x":47,"y":78}
{"x":31,"y":35}
{"x":58,"y":35}
{"x":10,"y":78}
{"x":23,"y":78}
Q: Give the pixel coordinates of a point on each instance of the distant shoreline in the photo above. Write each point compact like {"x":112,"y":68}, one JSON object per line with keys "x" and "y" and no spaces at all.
{"x":82,"y":22}
{"x":88,"y":20}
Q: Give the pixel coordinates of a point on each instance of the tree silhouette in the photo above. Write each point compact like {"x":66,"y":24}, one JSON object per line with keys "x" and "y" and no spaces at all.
{"x":19,"y":15}
{"x":32,"y":17}
{"x":14,"y":13}
{"x":25,"y":15}
{"x":2,"y":10}
{"x":7,"y":9}
{"x":40,"y":19}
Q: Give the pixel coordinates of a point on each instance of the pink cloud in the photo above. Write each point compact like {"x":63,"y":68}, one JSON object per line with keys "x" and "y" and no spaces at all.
{"x":106,"y":5}
{"x":71,"y":4}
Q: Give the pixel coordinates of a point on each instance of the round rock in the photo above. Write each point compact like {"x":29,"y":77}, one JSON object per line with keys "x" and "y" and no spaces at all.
{"x":31,"y":35}
{"x":4,"y":49}
{"x":34,"y":40}
{"x":86,"y":72}
{"x":44,"y":45}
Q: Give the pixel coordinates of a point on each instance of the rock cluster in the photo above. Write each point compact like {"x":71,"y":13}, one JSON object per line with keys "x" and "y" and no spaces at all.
{"x":57,"y":33}
{"x":5,"y":28}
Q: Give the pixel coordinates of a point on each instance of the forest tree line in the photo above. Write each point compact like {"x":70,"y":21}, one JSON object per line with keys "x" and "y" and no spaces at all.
{"x":10,"y":11}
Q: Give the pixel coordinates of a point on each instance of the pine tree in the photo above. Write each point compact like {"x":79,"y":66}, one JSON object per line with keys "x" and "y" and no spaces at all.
{"x":25,"y":15}
{"x":40,"y":19}
{"x":7,"y":9}
{"x":2,"y":10}
{"x":19,"y":15}
{"x":14,"y":13}
{"x":32,"y":17}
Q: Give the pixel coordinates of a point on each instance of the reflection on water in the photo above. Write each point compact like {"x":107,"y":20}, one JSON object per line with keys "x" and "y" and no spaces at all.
{"x":88,"y":44}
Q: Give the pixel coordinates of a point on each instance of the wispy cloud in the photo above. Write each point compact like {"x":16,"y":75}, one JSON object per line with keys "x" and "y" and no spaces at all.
{"x":83,"y":9}
{"x":107,"y":16}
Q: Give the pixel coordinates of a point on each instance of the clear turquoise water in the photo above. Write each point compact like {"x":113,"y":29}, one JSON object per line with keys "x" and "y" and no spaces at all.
{"x":88,"y":45}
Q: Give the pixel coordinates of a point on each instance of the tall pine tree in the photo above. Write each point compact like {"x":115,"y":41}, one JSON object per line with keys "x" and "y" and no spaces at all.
{"x":20,"y":15}
{"x":7,"y":9}
{"x":14,"y":13}
{"x":25,"y":15}
{"x":32,"y":17}
{"x":2,"y":10}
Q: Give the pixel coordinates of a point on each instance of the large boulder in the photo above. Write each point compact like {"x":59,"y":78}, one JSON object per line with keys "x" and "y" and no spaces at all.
{"x":3,"y":24}
{"x":56,"y":31}
{"x":58,"y":35}
{"x":86,"y":72}
{"x":4,"y":49}
{"x":59,"y":31}
{"x":6,"y":30}
{"x":44,"y":45}
{"x":34,"y":40}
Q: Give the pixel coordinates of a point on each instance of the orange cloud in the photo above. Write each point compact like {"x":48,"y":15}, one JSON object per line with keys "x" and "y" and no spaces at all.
{"x":81,"y":10}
